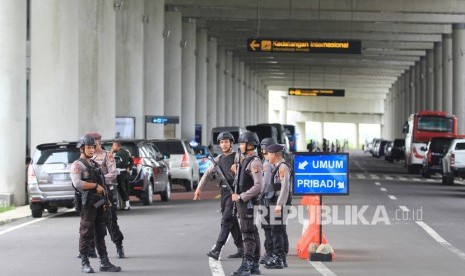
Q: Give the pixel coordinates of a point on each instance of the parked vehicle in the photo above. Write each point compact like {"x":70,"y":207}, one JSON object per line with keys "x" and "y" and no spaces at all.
{"x":150,"y":173}
{"x":201,"y":153}
{"x":378,"y":150}
{"x":434,"y":152}
{"x":182,"y":161}
{"x":49,"y":183}
{"x":397,"y":152}
{"x":388,"y":150}
{"x":453,"y":162}
{"x":419,"y":129}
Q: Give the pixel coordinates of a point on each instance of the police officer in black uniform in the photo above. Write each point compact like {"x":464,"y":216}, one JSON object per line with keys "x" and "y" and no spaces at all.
{"x":280,"y":197}
{"x":87,"y":179}
{"x":249,"y":185}
{"x":229,"y":223}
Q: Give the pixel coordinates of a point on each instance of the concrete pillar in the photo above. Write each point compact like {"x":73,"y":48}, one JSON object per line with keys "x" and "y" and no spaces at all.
{"x":188,"y":79}
{"x":228,"y":89}
{"x":241,"y":83}
{"x":13,"y":103}
{"x":212,"y":61}
{"x":417,"y":86}
{"x":357,"y":136}
{"x":301,"y":138}
{"x":201,"y":84}
{"x":438,"y":76}
{"x":412,"y":90}
{"x":447,"y":73}
{"x":423,"y":83}
{"x":220,"y":87}
{"x":130,"y":63}
{"x":283,"y":110}
{"x":154,"y":60}
{"x":458,"y":50}
{"x":235,"y":92}
{"x":406,"y":87}
{"x":430,"y":79}
{"x":246,"y":96}
{"x":173,"y":61}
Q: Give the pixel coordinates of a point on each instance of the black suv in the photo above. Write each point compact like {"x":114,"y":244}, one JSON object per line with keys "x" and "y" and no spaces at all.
{"x":150,"y":174}
{"x":397,"y":151}
{"x":434,"y":152}
{"x":49,"y":183}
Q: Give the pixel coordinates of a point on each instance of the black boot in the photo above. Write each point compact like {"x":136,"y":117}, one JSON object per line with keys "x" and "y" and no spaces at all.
{"x":255,"y":269}
{"x":215,"y":252}
{"x":105,"y":265}
{"x":275,"y":263}
{"x":91,"y":254}
{"x":285,"y":262}
{"x":238,"y":254}
{"x":86,"y":268}
{"x":266,"y":258}
{"x":244,"y":269}
{"x":120,"y":252}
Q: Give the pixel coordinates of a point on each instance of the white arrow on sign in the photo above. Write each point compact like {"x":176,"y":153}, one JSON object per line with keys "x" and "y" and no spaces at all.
{"x":303,"y":165}
{"x":340,"y":185}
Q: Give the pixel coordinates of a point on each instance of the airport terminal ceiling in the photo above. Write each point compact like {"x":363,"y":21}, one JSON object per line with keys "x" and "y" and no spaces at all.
{"x":393,"y":36}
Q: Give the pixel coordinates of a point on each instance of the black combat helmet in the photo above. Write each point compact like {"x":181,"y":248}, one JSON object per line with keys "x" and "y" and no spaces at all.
{"x":86,"y":140}
{"x":250,"y":138}
{"x":267,"y":141}
{"x":225,"y":136}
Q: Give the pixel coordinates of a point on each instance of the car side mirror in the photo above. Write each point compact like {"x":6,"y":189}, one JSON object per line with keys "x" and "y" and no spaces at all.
{"x":423,"y":148}
{"x":405,"y":128}
{"x":166,"y":156}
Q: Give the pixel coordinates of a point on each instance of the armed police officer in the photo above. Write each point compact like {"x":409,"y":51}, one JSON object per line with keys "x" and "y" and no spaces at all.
{"x":249,"y":174}
{"x":267,"y":190}
{"x":107,"y":163}
{"x":280,"y":197}
{"x":221,"y":170}
{"x":87,"y":179}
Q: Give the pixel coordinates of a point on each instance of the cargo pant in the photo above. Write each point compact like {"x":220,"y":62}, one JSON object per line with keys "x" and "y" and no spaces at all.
{"x":249,"y":233}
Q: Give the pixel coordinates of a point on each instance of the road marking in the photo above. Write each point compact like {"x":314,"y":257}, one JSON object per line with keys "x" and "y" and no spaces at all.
{"x":403,"y":178}
{"x":416,"y":179}
{"x":374,"y":176}
{"x":377,"y":183}
{"x":32,"y":222}
{"x":404,"y":208}
{"x":361,"y":176}
{"x":383,"y":189}
{"x":216,"y":268}
{"x":441,"y":240}
{"x":389,"y":177}
{"x":392,"y":197}
{"x":322,"y":269}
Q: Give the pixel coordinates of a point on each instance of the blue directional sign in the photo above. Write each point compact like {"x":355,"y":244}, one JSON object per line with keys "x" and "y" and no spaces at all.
{"x":321,"y":173}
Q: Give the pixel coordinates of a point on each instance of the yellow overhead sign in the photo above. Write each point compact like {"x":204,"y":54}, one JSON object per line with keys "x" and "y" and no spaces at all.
{"x":316,"y":92}
{"x":304,"y":46}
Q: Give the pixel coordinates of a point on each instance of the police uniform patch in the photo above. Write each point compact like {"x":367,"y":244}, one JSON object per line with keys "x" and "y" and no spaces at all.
{"x":255,"y":169}
{"x":281,"y":173}
{"x":76,"y":168}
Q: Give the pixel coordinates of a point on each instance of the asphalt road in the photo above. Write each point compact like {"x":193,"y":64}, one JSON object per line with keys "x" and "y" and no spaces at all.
{"x":391,"y":224}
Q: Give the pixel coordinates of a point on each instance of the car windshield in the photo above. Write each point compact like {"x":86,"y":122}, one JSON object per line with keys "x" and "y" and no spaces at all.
{"x":170,"y":147}
{"x":54,"y":156}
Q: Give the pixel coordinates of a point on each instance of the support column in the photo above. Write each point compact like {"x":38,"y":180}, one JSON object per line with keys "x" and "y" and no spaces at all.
{"x":423,"y":83}
{"x":211,"y":86}
{"x":228,"y":89}
{"x":357,"y":136}
{"x":246,"y":96}
{"x":154,"y":61}
{"x":412,"y":89}
{"x":220,"y":87}
{"x":13,"y":103}
{"x":447,"y":73}
{"x":406,"y":87}
{"x":417,"y":87}
{"x":430,"y":79}
{"x":438,"y":76}
{"x":235,"y":92}
{"x":201,"y":84}
{"x":130,"y":63}
{"x":173,"y":72}
{"x":283,"y":110}
{"x":458,"y":108}
{"x":241,"y":84}
{"x":301,"y":138}
{"x":188,"y":79}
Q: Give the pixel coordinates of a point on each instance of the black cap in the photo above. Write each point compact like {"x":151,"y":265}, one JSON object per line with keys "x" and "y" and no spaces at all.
{"x":274,"y":148}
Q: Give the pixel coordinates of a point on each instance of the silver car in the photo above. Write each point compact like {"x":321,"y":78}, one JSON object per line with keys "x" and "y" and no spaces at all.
{"x":48,"y":183}
{"x":183,"y":162}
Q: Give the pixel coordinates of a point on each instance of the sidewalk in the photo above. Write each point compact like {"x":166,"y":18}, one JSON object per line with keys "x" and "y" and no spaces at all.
{"x":17,"y":213}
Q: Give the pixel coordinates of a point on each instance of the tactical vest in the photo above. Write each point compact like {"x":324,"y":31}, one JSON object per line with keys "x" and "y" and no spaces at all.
{"x":245,"y":179}
{"x":277,"y":183}
{"x":89,"y":197}
{"x":225,"y":162}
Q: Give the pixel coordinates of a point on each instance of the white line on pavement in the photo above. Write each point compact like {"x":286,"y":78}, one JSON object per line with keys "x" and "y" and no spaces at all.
{"x":404,"y":208}
{"x":322,"y":269}
{"x":392,"y":197}
{"x":377,"y":183}
{"x":441,"y":240}
{"x":216,"y":268}
{"x":383,"y":189}
{"x":403,"y":178}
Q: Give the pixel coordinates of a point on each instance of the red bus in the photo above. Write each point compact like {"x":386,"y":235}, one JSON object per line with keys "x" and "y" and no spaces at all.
{"x":419,"y":129}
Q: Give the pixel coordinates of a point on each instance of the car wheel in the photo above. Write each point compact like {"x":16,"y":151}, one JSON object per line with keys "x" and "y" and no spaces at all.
{"x":189,"y":185}
{"x":147,"y":198}
{"x":410,"y":169}
{"x":166,"y":194}
{"x":52,"y":210}
{"x":425,"y":173}
{"x":36,"y":211}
